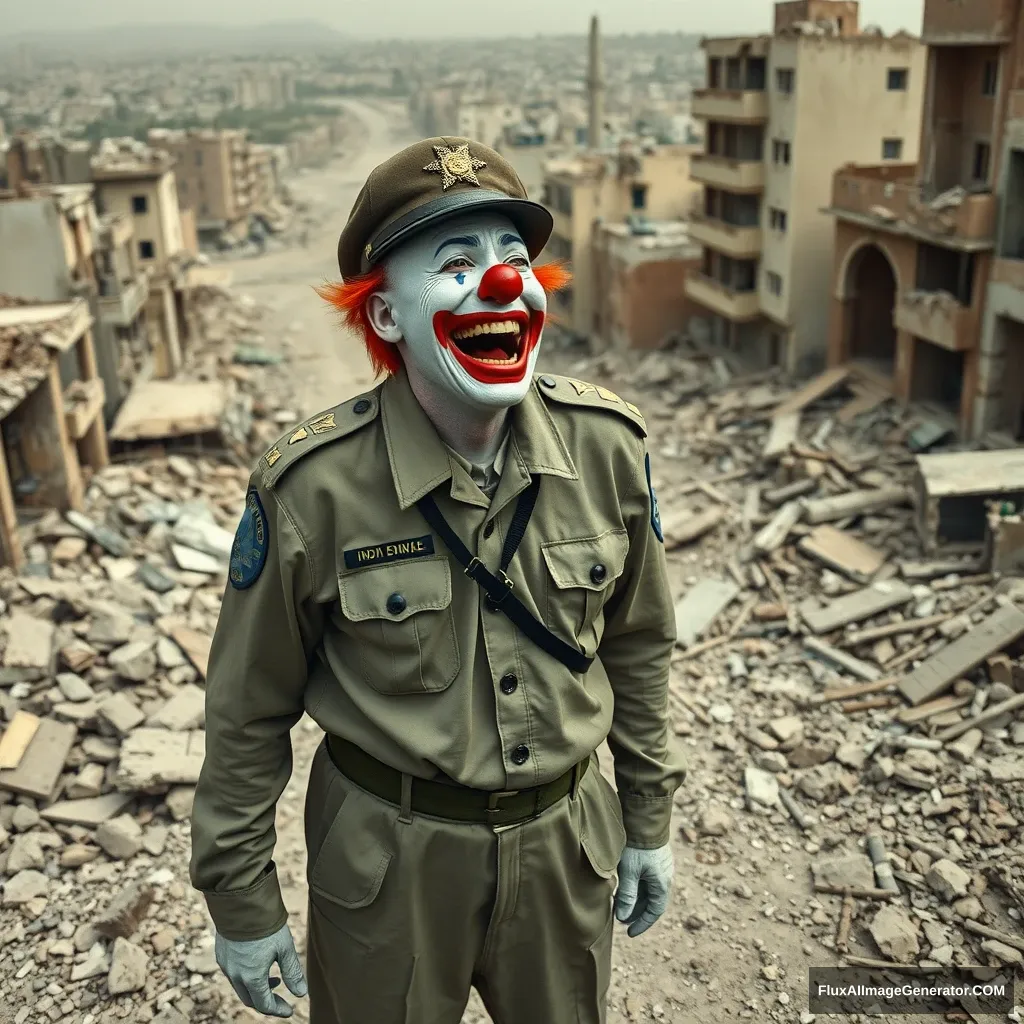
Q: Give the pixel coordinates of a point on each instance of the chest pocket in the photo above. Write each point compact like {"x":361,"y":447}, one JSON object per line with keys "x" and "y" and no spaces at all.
{"x":400,"y":617}
{"x":581,"y":576}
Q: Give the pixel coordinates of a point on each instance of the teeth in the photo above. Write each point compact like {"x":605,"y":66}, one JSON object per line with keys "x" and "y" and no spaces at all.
{"x":494,"y":327}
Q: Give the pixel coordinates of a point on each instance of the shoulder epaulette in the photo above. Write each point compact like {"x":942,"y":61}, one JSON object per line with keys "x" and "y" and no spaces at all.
{"x":317,"y":431}
{"x":592,"y":396}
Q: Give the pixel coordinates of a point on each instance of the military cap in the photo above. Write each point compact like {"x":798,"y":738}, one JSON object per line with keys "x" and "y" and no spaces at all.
{"x":429,"y":181}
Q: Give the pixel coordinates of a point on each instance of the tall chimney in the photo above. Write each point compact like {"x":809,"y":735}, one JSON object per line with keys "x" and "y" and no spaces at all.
{"x":595,"y":88}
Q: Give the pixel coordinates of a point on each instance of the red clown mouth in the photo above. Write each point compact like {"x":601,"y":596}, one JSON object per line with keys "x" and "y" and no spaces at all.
{"x":493,"y":348}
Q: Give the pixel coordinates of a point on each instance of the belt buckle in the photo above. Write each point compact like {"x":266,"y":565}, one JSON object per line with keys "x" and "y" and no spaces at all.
{"x":492,"y":809}
{"x":509,"y":584}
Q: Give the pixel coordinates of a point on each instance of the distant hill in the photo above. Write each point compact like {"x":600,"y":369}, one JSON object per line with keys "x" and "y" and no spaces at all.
{"x":125,"y":40}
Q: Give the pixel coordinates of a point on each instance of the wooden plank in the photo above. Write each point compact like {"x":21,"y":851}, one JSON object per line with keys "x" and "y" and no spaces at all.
{"x":775,"y":532}
{"x":167,"y":408}
{"x":944,"y":667}
{"x":94,"y":441}
{"x":854,"y":503}
{"x":12,"y":550}
{"x":914,"y":570}
{"x":783,"y":433}
{"x":864,"y":400}
{"x":910,"y":716}
{"x":865,"y":636}
{"x":1005,"y":707}
{"x":684,"y":527}
{"x":40,"y":768}
{"x":842,"y":552}
{"x":16,"y":739}
{"x":862,"y":604}
{"x":814,"y":389}
{"x":853,"y":665}
{"x":196,"y":646}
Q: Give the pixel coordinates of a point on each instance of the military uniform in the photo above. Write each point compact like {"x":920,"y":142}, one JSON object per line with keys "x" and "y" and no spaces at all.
{"x":458,"y":829}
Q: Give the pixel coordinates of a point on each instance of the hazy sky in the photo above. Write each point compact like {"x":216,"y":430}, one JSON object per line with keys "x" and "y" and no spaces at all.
{"x":424,"y":18}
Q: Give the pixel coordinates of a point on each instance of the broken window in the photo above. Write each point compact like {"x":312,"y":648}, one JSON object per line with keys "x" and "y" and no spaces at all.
{"x":1012,"y":244}
{"x":139,"y":204}
{"x":780,"y":152}
{"x":774,"y":282}
{"x":756,"y":72}
{"x":734,"y":73}
{"x":146,"y":249}
{"x":777,"y":219}
{"x":896,"y":80}
{"x":945,"y":270}
{"x":892,"y":149}
{"x":638,"y":197}
{"x":785,"y":79}
{"x":715,"y":73}
{"x":979,"y":166}
{"x":990,"y":78}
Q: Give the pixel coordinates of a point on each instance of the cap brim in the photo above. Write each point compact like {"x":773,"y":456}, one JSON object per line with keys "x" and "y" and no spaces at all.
{"x":533,"y":220}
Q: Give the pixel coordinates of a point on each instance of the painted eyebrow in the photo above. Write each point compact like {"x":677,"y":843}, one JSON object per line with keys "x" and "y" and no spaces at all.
{"x":469,"y":240}
{"x":511,"y":240}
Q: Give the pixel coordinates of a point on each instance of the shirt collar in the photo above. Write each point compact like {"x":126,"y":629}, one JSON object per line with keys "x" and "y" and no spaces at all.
{"x":420,"y":460}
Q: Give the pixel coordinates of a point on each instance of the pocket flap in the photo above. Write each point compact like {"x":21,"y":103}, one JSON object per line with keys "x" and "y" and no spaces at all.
{"x":353,"y":860}
{"x":425,"y":584}
{"x":601,"y":833}
{"x":571,"y":562}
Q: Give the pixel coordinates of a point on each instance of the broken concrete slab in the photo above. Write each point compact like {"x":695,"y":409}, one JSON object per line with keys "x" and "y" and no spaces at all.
{"x":40,"y":768}
{"x":701,"y":606}
{"x":185,"y":710}
{"x":90,"y":812}
{"x":842,"y":552}
{"x":29,"y":642}
{"x":154,"y":758}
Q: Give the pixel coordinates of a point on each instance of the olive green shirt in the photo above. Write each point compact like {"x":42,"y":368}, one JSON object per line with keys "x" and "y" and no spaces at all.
{"x":361,"y":618}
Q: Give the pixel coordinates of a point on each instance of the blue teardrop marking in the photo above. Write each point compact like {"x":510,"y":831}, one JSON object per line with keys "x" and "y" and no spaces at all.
{"x":460,"y":278}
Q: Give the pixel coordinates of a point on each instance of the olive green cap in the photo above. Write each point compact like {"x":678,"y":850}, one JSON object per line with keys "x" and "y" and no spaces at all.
{"x":427,"y":182}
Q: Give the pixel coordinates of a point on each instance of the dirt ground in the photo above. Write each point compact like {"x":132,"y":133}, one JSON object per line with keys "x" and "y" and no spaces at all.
{"x":737,"y":939}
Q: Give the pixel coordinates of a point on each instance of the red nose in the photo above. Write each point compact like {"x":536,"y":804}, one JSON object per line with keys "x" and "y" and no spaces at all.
{"x":501,"y":284}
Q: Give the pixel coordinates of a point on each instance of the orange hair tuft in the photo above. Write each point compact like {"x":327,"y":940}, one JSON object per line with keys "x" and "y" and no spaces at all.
{"x":349,"y":299}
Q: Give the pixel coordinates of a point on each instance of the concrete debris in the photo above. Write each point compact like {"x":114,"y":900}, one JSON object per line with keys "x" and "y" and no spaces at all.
{"x":895,"y":934}
{"x":129,"y":968}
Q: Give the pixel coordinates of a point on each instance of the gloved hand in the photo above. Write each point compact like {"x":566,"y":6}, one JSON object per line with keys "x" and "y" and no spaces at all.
{"x":645,"y":884}
{"x":247,"y":966}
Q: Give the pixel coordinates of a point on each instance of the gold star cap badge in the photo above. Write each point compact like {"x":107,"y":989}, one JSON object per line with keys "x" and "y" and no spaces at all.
{"x":454,"y":165}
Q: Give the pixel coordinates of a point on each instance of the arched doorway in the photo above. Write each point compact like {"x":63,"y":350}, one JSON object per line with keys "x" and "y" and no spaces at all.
{"x":871,"y":288}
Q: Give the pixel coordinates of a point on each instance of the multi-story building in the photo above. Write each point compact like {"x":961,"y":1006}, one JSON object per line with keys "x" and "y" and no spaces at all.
{"x":928,"y":285}
{"x":137,"y":183}
{"x":781,"y":113}
{"x":33,"y":159}
{"x":214,"y":177}
{"x":645,"y":183}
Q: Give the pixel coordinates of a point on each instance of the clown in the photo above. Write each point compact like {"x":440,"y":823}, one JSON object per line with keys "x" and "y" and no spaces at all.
{"x":459,"y":576}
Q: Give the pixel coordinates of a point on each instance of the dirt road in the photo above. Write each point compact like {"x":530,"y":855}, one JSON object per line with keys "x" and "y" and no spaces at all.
{"x":738,"y":937}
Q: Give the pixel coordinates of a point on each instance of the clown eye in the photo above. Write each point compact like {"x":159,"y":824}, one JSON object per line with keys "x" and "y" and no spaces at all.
{"x":519,"y":262}
{"x":457,"y":263}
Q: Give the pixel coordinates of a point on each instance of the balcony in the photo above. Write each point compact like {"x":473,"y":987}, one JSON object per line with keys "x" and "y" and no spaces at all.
{"x":975,"y":23}
{"x":739,"y":106}
{"x":736,"y":240}
{"x":721,"y":299}
{"x":886,"y":197}
{"x":728,"y":173}
{"x":937,"y":317}
{"x":124,"y":302}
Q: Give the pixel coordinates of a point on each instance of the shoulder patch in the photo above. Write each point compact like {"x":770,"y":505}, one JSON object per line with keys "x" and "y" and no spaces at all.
{"x":655,"y":511}
{"x":249,"y":548}
{"x":593,"y":396}
{"x":321,"y":429}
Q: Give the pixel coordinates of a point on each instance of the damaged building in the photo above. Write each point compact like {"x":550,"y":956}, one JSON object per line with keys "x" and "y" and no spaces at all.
{"x":927,"y":300}
{"x":781,"y":113}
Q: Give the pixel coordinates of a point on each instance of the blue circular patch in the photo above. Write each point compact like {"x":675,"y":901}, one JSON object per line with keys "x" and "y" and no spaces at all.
{"x":249,"y":550}
{"x":655,"y":514}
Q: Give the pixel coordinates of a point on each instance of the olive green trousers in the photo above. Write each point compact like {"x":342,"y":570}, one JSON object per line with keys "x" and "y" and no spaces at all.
{"x":408,"y":913}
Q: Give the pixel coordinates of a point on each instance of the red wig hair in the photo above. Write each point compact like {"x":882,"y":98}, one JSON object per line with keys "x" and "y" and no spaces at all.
{"x":349,"y":299}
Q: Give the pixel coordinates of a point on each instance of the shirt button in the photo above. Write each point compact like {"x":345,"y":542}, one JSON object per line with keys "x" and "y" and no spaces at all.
{"x":396,"y":604}
{"x":521,"y":754}
{"x":598,"y":573}
{"x":548,"y":382}
{"x":361,"y":406}
{"x":508,"y":683}
{"x":489,"y":528}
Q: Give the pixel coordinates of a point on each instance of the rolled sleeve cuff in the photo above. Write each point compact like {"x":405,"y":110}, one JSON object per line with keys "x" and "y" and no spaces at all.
{"x":252,"y":913}
{"x":647,"y":820}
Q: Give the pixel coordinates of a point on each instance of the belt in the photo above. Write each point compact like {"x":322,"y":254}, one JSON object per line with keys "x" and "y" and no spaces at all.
{"x":454,"y":803}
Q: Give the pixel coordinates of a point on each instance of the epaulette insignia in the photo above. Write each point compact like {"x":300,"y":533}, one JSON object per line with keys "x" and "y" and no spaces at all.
{"x":594,"y":396}
{"x":329,"y":426}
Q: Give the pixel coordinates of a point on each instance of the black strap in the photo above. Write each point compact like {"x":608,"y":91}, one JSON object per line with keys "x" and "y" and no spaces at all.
{"x":499,"y":590}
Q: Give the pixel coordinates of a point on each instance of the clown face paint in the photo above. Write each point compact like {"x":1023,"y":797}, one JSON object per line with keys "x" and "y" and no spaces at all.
{"x":467,"y":310}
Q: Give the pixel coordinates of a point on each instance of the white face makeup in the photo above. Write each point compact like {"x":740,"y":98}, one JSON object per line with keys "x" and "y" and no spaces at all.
{"x":465,"y":309}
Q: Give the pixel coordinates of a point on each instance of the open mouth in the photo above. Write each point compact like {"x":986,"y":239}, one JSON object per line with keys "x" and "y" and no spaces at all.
{"x":493,"y":348}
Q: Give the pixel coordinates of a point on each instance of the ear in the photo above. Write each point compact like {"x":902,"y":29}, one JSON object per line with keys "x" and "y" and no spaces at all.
{"x":378,"y":312}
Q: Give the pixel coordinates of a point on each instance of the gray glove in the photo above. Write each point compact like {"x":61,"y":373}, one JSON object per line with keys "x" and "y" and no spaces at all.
{"x":645,"y":884}
{"x":247,"y":966}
